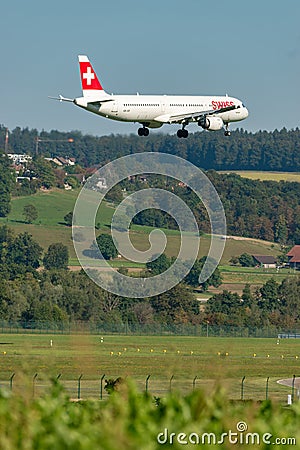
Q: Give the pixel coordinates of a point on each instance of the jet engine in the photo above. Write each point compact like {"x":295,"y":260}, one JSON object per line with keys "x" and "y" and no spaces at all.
{"x":211,"y":123}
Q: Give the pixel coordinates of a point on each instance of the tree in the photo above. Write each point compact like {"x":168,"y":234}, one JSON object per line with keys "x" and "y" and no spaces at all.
{"x":115,"y":194}
{"x":192,"y":277}
{"x":246,"y":260}
{"x":30,"y":213}
{"x":72,"y":181}
{"x":281,"y":230}
{"x":57,"y":257}
{"x":6,"y":185}
{"x":106,"y":246}
{"x":158,"y":265}
{"x":68,"y":218}
{"x":247,"y":296}
{"x":177,"y":305}
{"x":225,"y":307}
{"x":24,"y":251}
{"x":269,"y":296}
{"x":44,"y":172}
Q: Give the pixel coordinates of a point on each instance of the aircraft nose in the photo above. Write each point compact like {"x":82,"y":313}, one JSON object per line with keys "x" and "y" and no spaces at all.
{"x":245,"y":112}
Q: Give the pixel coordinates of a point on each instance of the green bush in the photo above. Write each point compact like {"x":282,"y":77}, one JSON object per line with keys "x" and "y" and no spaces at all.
{"x":129,"y":420}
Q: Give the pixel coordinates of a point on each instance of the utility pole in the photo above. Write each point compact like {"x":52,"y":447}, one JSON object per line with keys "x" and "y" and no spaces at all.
{"x":6,"y":142}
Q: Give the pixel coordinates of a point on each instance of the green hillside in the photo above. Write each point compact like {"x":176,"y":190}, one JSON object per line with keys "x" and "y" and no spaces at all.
{"x":49,"y":227}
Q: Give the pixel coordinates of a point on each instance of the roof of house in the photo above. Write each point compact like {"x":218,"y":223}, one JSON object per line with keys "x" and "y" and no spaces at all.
{"x":265,"y":259}
{"x":294,"y":254}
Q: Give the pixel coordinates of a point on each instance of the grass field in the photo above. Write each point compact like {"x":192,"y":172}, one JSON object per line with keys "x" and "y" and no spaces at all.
{"x":49,"y":227}
{"x":261,"y":175}
{"x":179,"y":360}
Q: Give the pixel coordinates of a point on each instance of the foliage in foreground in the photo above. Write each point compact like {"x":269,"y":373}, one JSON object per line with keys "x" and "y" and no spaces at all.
{"x":129,"y":420}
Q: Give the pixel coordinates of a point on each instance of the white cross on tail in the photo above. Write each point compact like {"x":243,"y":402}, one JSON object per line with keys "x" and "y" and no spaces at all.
{"x":88,"y":76}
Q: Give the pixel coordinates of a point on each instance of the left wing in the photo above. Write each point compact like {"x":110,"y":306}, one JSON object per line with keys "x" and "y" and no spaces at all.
{"x":193,"y":117}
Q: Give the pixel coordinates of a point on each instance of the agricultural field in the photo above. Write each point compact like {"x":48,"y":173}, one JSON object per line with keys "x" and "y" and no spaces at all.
{"x":169,"y":362}
{"x":49,"y":227}
{"x":261,"y":175}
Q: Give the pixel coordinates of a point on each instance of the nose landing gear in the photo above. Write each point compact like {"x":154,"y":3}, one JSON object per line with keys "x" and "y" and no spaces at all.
{"x":226,"y":132}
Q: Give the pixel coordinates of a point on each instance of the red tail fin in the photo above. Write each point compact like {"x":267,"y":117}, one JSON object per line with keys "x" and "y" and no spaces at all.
{"x":89,"y":80}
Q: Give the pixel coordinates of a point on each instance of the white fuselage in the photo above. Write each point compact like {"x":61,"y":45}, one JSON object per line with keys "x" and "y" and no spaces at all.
{"x":211,"y":112}
{"x":155,"y":110}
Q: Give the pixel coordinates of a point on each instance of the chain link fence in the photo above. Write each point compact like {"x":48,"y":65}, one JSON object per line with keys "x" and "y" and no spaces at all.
{"x":81,"y":388}
{"x":159,"y":329}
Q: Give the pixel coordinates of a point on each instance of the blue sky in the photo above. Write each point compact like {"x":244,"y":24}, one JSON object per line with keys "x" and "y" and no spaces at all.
{"x":250,"y":50}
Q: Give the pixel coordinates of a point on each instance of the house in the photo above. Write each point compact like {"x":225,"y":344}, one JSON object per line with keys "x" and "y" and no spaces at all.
{"x":60,"y":161}
{"x":294,"y":257}
{"x":265,"y":261}
{"x":17,"y":158}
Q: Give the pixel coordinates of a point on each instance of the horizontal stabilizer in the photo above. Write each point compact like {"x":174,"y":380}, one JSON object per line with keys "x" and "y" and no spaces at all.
{"x":62,"y":99}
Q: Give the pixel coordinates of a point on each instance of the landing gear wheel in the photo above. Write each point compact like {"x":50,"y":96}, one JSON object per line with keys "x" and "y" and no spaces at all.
{"x":182,"y":133}
{"x":143,"y":131}
{"x":226,"y":132}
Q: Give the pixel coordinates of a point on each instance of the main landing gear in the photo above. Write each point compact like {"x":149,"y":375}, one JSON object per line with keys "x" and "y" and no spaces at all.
{"x":182,"y":133}
{"x":143,"y":131}
{"x":226,"y":132}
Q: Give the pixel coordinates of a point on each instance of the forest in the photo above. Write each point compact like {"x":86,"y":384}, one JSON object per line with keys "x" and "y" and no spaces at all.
{"x":32,"y":296}
{"x":278,"y":150}
{"x":261,"y":209}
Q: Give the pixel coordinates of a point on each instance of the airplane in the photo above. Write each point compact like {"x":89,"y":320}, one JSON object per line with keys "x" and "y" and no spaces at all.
{"x":152,"y":111}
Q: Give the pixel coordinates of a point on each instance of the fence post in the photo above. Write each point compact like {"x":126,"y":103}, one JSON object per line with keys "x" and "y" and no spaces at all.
{"x":170,"y":389}
{"x":293,"y":388}
{"x":194,"y":382}
{"x":267,"y":388}
{"x":242,"y":388}
{"x":33,"y":384}
{"x":101,"y":386}
{"x":79,"y":387}
{"x":147,"y":382}
{"x":11,"y":381}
